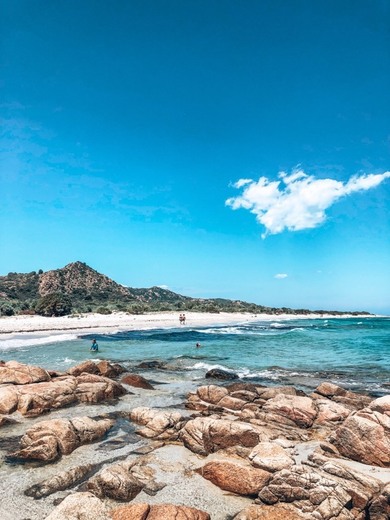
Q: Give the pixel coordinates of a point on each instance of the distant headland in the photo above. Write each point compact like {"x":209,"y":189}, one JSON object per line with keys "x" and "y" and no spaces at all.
{"x":77,"y":288}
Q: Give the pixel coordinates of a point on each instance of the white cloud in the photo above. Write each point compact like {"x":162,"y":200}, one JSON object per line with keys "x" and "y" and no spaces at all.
{"x":280,"y":276}
{"x":163,"y":287}
{"x":296,"y":201}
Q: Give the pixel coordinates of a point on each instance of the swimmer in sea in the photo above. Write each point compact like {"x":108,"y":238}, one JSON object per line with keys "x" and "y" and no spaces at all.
{"x":94,"y":346}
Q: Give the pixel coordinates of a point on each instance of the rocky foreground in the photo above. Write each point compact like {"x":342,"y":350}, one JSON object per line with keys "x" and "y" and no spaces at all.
{"x":239,"y":451}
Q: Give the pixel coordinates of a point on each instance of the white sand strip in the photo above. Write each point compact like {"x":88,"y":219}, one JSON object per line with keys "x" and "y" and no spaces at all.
{"x":119,"y":321}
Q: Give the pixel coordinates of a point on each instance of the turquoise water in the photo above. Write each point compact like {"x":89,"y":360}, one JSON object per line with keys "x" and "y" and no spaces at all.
{"x":354,"y":352}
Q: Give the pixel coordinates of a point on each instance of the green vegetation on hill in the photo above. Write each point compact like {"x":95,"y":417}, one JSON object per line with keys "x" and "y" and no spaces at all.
{"x":79,"y":288}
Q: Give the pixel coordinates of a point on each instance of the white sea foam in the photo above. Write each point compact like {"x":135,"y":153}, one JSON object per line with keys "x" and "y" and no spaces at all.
{"x":206,"y":366}
{"x":223,"y":330}
{"x":242,"y":372}
{"x":69,"y":360}
{"x":21,"y":342}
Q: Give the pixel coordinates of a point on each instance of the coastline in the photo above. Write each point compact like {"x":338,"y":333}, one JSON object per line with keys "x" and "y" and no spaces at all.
{"x":120,"y":321}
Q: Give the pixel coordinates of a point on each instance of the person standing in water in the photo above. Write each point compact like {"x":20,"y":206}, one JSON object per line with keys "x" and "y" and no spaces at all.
{"x":94,"y":346}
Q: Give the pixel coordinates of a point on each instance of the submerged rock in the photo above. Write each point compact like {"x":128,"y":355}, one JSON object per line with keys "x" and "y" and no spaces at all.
{"x":136,"y":381}
{"x":151,"y":365}
{"x":108,"y":369}
{"x":218,"y":373}
{"x":88,"y":367}
{"x":61,"y":481}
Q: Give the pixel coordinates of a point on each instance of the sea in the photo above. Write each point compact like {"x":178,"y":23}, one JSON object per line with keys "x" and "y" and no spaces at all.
{"x":351,"y":352}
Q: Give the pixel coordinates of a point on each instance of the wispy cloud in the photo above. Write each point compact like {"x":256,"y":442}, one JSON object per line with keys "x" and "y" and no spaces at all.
{"x":296,"y":201}
{"x":280,"y":276}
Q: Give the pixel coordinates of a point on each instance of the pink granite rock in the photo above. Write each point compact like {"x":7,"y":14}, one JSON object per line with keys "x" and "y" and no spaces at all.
{"x":236,"y":477}
{"x":13,"y":372}
{"x":48,"y":440}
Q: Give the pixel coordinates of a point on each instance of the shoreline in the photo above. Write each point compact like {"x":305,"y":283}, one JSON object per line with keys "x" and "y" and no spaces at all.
{"x":120,"y":321}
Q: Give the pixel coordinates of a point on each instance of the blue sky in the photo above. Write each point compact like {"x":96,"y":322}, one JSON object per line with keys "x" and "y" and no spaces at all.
{"x":221,"y":148}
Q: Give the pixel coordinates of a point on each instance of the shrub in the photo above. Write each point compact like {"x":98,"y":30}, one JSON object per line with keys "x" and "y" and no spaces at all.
{"x":54,"y":304}
{"x":6,"y":310}
{"x":136,"y":308}
{"x":103,"y":310}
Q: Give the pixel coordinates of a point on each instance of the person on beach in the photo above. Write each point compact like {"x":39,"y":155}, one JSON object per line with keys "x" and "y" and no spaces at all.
{"x":94,"y":346}
{"x":182,"y":319}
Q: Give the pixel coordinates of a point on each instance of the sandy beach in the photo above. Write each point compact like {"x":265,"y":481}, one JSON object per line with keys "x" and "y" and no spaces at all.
{"x":120,"y":321}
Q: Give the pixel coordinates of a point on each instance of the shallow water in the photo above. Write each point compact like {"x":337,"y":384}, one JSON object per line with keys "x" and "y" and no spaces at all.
{"x":353,"y":352}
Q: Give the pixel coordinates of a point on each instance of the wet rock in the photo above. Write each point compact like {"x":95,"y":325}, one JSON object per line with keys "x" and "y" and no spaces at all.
{"x":235,"y":477}
{"x":6,"y":420}
{"x":365,"y":437}
{"x":56,"y":373}
{"x":218,"y":373}
{"x":271,"y":457}
{"x":88,"y":367}
{"x":159,"y":425}
{"x":48,"y":440}
{"x":206,"y":435}
{"x":80,"y":506}
{"x":136,"y":381}
{"x":108,"y":369}
{"x":59,"y":482}
{"x":158,"y":512}
{"x":13,"y":372}
{"x":151,"y":365}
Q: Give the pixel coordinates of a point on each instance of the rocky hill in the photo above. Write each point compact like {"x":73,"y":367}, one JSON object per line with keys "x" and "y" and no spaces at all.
{"x":79,"y":288}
